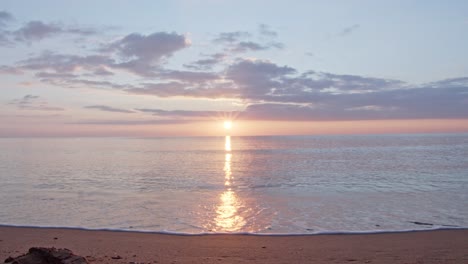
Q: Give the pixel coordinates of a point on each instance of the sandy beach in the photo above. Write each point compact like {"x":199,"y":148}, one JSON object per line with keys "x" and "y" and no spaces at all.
{"x":443,"y":246}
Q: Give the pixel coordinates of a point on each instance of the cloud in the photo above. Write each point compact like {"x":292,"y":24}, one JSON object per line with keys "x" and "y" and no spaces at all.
{"x":168,"y":89}
{"x":276,"y":45}
{"x":109,"y":109}
{"x":245,"y":79}
{"x":60,"y":63}
{"x":269,"y":91}
{"x":238,"y":41}
{"x":55,"y":75}
{"x":64,"y":70}
{"x":38,"y":30}
{"x":5,"y":18}
{"x":244,"y":46}
{"x":179,"y":113}
{"x":83,"y":83}
{"x":141,"y":54}
{"x":172,"y":89}
{"x":32,"y":102}
{"x":206,"y":64}
{"x":315,"y":96}
{"x":348,"y":30}
{"x":82,"y":31}
{"x":347,"y":83}
{"x":265,"y":30}
{"x":29,"y":97}
{"x":10,"y":70}
{"x":103,"y":71}
{"x":121,"y":122}
{"x":231,"y":37}
{"x":187,"y":76}
{"x":414,"y":103}
{"x":4,"y":41}
{"x":257,"y":77}
{"x":151,"y":47}
{"x":410,"y":103}
{"x":452,"y":82}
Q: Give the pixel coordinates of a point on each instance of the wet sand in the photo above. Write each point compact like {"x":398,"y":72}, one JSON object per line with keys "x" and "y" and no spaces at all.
{"x":443,"y":246}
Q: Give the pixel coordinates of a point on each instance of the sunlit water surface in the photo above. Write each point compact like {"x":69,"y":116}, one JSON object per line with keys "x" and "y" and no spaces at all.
{"x":237,"y":184}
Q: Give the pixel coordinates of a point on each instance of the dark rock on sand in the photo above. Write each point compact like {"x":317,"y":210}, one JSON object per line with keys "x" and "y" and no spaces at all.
{"x":47,"y":256}
{"x":421,"y":223}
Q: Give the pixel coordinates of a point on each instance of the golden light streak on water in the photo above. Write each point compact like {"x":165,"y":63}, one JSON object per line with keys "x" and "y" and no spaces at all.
{"x":228,"y":218}
{"x":227,"y":144}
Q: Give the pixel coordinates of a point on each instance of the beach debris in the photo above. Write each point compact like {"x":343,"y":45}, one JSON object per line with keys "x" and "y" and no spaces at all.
{"x":442,"y":225}
{"x":421,"y":223}
{"x":9,"y":259}
{"x":37,"y":255}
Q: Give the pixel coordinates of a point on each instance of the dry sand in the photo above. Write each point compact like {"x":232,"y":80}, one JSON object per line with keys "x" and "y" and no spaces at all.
{"x":443,"y":246}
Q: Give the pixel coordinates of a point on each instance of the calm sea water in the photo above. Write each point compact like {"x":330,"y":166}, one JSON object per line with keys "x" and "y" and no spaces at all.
{"x":309,"y":184}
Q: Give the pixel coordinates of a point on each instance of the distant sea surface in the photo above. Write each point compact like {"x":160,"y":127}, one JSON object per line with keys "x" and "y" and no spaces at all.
{"x":266,"y":185}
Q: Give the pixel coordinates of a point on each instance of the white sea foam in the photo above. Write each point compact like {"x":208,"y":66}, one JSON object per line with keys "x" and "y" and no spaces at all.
{"x":242,"y":233}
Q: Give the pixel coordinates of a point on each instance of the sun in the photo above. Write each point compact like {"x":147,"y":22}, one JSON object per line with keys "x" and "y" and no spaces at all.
{"x":227,"y":124}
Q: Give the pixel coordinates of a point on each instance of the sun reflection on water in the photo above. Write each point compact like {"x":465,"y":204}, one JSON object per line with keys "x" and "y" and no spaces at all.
{"x":227,"y":169}
{"x":227,"y":144}
{"x":228,"y":218}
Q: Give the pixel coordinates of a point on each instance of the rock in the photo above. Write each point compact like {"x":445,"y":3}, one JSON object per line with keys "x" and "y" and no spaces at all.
{"x":421,"y":223}
{"x":47,"y":256}
{"x":117,"y":257}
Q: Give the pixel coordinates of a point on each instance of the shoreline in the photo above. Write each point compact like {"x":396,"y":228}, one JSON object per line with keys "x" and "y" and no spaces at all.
{"x":173,"y":233}
{"x":426,"y":246}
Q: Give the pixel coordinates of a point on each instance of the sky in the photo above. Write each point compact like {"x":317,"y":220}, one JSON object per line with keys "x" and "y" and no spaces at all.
{"x":182,"y":67}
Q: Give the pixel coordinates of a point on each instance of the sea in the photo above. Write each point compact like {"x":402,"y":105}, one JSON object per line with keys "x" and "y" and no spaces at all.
{"x":267,"y":185}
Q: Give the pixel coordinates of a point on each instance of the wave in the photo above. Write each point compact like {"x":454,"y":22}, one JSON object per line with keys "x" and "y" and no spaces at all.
{"x":165,"y":232}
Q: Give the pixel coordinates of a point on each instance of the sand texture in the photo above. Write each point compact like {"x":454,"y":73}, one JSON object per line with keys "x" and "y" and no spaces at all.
{"x":444,"y":246}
